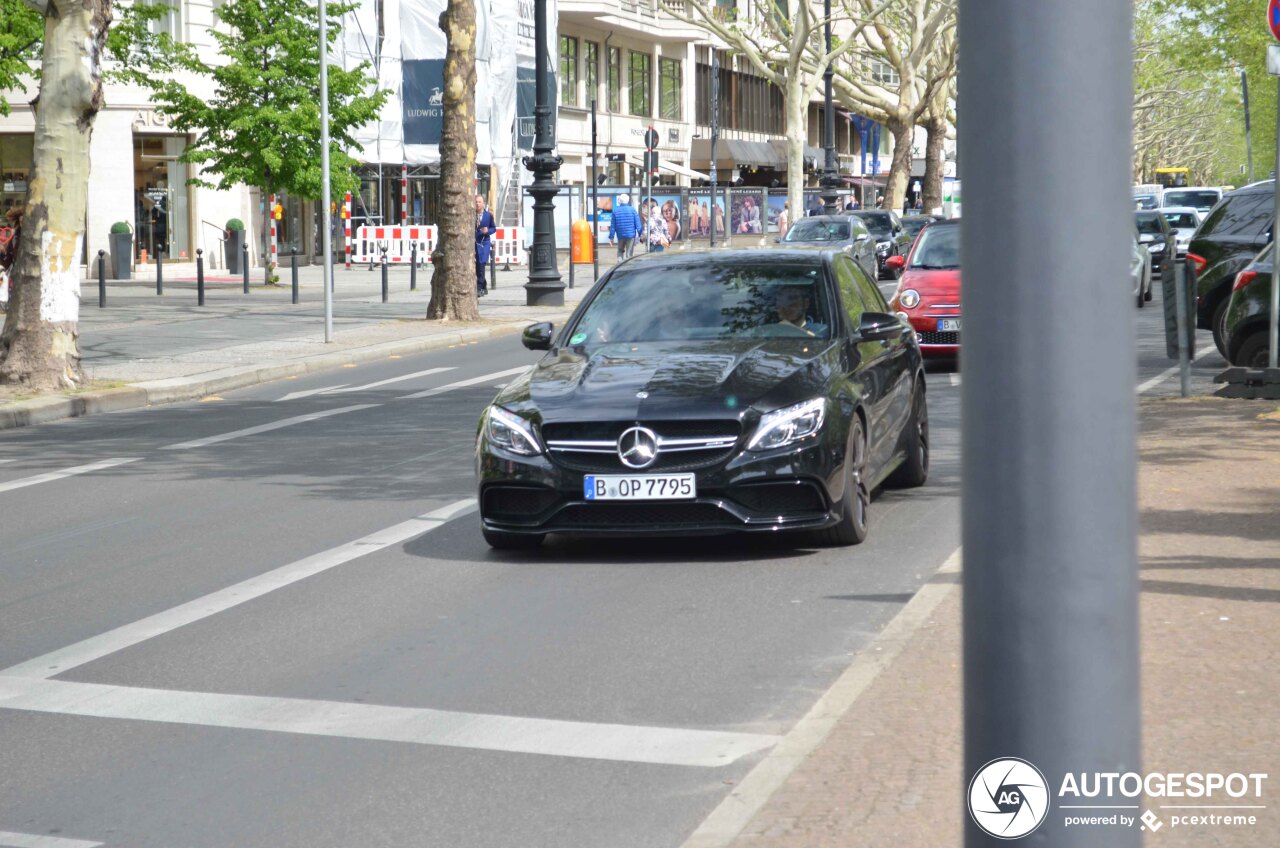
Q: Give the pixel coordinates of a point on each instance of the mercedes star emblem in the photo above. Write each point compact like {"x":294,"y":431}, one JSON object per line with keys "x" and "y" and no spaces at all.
{"x":638,"y":447}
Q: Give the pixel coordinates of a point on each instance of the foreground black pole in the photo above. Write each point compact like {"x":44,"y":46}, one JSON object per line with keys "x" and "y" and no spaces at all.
{"x":102,"y":279}
{"x":413,"y":267}
{"x":1048,"y":442}
{"x":544,"y":287}
{"x":159,"y":270}
{"x":293,"y":261}
{"x":830,"y":173}
{"x":384,"y":276}
{"x":199,"y":276}
{"x":715,"y":136}
{"x":595,"y":201}
{"x":244,"y":266}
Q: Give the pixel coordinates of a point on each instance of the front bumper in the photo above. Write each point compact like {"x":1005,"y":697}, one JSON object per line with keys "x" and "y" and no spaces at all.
{"x":935,"y":344}
{"x":788,"y":489}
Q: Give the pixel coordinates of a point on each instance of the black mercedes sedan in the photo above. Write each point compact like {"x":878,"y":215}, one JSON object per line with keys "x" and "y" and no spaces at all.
{"x":709,"y":392}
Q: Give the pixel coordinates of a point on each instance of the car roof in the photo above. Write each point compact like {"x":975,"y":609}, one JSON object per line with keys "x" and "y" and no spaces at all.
{"x":841,"y":218}
{"x":1181,"y":210}
{"x":731,"y":255}
{"x":1253,"y":188}
{"x":1194,"y":188}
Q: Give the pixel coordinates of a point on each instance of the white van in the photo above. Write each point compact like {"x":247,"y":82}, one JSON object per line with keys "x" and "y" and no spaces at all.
{"x":1200,"y":198}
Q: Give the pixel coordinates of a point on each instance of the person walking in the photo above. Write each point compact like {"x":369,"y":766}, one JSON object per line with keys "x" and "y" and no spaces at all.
{"x":784,"y":220}
{"x":624,"y":225}
{"x":484,"y":232}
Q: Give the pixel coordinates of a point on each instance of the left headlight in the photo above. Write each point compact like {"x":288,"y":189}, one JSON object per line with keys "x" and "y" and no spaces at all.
{"x":788,"y":425}
{"x":883,"y":245}
{"x":511,"y":432}
{"x":1158,"y":247}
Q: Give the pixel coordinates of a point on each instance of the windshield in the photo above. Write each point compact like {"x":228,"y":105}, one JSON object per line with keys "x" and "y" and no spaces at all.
{"x":1202,"y":199}
{"x":1181,"y":220}
{"x":913,"y":226}
{"x":938,"y":247}
{"x":1149,"y":224}
{"x":764,"y":299}
{"x":811,"y":229}
{"x":879,"y":223}
{"x":1145,"y":201}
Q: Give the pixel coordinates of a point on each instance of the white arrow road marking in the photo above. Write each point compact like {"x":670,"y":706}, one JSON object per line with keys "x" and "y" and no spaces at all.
{"x":107,"y":643}
{"x":462,"y":384}
{"x":309,"y":392}
{"x":390,"y":380}
{"x":516,"y":734}
{"x":66,"y":472}
{"x":263,"y":428}
{"x":9,"y":839}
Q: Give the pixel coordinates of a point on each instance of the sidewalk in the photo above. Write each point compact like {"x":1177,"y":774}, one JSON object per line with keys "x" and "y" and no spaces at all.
{"x":890,"y":775}
{"x":144,"y":348}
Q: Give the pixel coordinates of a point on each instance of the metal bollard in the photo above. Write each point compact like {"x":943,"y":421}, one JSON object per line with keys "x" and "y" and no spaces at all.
{"x":294,"y":263}
{"x":570,"y":270}
{"x":199,"y":276}
{"x":244,"y":266}
{"x":413,"y":268}
{"x":102,"y":279}
{"x":493,"y":271}
{"x":159,"y":270}
{"x":384,"y":276}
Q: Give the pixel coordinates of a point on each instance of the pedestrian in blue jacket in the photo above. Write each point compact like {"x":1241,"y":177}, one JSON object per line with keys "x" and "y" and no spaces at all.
{"x":484,"y":231}
{"x":625,"y":226}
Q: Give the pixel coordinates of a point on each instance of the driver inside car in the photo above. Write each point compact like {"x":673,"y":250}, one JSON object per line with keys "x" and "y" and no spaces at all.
{"x":792,"y":307}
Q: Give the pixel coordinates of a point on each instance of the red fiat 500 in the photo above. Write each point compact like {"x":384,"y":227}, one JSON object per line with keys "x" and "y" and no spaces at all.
{"x":928,"y":292}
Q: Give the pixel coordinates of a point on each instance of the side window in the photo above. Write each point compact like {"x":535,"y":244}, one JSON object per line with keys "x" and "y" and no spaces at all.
{"x":1242,"y":215}
{"x":870,"y":294}
{"x":847,"y":281}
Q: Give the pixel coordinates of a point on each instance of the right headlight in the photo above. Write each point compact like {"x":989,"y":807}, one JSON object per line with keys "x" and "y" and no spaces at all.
{"x":788,"y":425}
{"x":511,"y":432}
{"x":909,"y":299}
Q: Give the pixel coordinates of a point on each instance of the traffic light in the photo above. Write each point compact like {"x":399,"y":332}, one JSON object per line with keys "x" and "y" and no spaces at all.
{"x":278,"y":212}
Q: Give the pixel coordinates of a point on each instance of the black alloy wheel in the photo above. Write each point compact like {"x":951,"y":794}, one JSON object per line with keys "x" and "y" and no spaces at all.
{"x":1253,"y":353}
{"x":852,"y":527}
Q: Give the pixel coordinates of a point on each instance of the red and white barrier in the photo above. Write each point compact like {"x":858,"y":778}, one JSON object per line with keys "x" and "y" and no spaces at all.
{"x":271,"y":213}
{"x":346,"y":227}
{"x":508,"y":246}
{"x":369,"y":242}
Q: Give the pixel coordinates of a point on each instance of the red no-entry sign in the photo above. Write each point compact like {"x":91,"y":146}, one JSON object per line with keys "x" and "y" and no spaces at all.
{"x":1273,"y":18}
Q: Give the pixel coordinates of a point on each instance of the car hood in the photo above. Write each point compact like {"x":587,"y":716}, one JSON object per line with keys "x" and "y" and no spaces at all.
{"x":943,"y":283}
{"x":671,"y":380}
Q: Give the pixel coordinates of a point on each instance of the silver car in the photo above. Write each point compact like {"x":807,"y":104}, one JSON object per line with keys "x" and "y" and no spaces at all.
{"x":1140,"y":272}
{"x":844,"y":231}
{"x":1183,"y":220}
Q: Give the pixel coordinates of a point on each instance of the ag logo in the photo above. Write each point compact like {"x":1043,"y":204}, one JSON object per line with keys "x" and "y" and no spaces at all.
{"x":1008,"y":798}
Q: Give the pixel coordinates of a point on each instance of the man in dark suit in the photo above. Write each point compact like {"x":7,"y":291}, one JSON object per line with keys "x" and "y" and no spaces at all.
{"x":484,"y":232}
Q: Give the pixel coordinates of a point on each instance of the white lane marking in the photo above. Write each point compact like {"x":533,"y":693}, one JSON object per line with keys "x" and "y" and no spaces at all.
{"x":390,"y":380}
{"x":461,"y":384}
{"x":263,"y":428}
{"x":8,"y":839}
{"x":514,"y":734}
{"x":309,"y":392}
{"x":735,"y":812}
{"x":954,"y":378}
{"x":96,"y":647}
{"x":1169,"y":372}
{"x":6,"y":461}
{"x":66,"y":472}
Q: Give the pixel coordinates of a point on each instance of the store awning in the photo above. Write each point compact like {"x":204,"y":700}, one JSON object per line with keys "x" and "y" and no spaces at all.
{"x":673,"y":168}
{"x":736,"y":151}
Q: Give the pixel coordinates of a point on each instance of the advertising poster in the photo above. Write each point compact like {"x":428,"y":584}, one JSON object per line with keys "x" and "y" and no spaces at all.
{"x":700,"y":215}
{"x":669,"y":209}
{"x":776,"y":202}
{"x":746,"y":215}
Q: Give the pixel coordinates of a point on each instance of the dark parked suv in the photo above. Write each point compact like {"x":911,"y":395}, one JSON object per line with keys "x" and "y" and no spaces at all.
{"x":1228,"y":240}
{"x":1247,"y":322}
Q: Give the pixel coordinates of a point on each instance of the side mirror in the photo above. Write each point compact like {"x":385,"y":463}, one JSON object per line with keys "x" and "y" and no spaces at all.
{"x":538,"y":336}
{"x":879,"y":326}
{"x":895,"y":262}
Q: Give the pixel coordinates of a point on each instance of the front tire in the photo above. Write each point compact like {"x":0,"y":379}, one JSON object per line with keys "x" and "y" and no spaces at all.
{"x":1219,"y":325}
{"x":1253,"y":351}
{"x":501,"y":541}
{"x":852,"y":527}
{"x":914,"y":470}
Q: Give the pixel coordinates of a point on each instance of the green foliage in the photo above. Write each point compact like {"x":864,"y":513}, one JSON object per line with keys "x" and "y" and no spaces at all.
{"x":261,"y":125}
{"x":235,"y":224}
{"x":121,"y":227}
{"x":21,"y":35}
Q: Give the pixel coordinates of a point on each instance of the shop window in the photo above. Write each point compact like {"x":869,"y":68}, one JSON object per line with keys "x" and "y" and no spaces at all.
{"x":613,"y":80}
{"x":171,"y":23}
{"x":591,"y":62}
{"x":669,"y":88}
{"x":162,"y":198}
{"x":15,"y":170}
{"x":641,"y":84}
{"x":568,"y":70}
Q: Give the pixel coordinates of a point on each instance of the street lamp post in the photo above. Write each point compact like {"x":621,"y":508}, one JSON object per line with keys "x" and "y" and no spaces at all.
{"x":830,"y":175}
{"x":1248,"y":130}
{"x":544,"y":287}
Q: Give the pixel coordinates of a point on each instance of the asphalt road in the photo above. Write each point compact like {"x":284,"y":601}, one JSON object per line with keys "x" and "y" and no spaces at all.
{"x":269,"y":619}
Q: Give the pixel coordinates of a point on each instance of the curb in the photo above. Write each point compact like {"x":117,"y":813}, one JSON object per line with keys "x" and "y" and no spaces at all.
{"x":42,"y":410}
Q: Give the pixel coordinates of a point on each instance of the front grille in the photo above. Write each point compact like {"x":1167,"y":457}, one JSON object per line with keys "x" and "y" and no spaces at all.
{"x":611,"y":430}
{"x":648,"y":515}
{"x":602,"y":456}
{"x":933,"y":338}
{"x":507,"y":502}
{"x":609,"y":463}
{"x":780,"y":498}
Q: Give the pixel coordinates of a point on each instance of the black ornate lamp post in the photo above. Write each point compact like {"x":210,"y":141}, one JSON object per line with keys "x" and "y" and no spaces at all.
{"x":544,"y":287}
{"x":830,"y":174}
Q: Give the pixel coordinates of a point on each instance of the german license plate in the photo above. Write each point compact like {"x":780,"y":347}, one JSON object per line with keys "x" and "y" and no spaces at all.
{"x":641,"y":487}
{"x":948,"y":325}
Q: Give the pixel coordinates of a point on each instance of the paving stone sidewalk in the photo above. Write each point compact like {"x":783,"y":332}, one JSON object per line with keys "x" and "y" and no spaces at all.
{"x":890,"y":774}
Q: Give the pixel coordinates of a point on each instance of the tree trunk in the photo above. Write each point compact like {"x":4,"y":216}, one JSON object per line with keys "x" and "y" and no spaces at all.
{"x":900,"y":169}
{"x":39,"y":346}
{"x":267,"y":218}
{"x":936,"y":132}
{"x":453,"y":280}
{"x":797,"y":132}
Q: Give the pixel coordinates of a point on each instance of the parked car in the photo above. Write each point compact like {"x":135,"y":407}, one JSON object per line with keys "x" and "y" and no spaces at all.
{"x":1199,"y":198}
{"x":928,"y":292}
{"x":1156,"y":235}
{"x":1247,"y":323}
{"x":1183,"y":220}
{"x":891,"y":238}
{"x":758,"y":390}
{"x":913,"y":224}
{"x":1140,"y":272}
{"x":1228,"y":240}
{"x":846,"y":232}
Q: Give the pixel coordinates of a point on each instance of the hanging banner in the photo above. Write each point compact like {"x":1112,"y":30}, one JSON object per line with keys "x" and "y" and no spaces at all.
{"x":423,"y":100}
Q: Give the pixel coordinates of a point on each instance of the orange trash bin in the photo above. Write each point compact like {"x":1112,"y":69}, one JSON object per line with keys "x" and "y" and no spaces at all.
{"x":582,"y":244}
